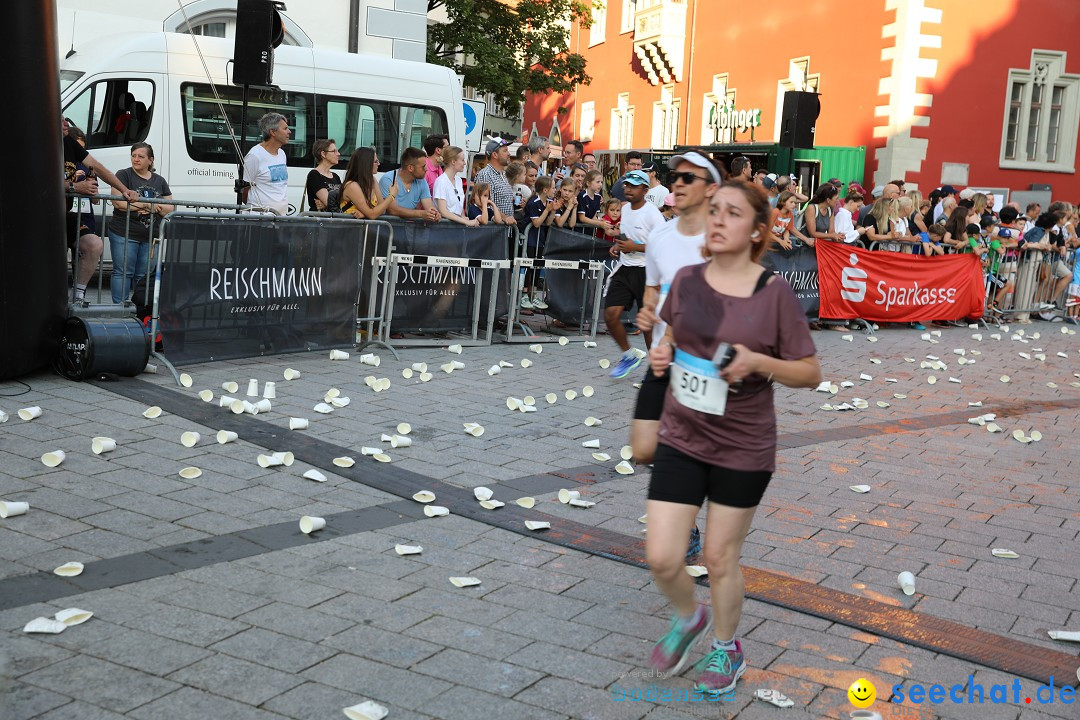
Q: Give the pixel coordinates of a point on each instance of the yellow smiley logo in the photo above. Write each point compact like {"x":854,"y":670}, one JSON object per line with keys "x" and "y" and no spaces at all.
{"x":862,"y":693}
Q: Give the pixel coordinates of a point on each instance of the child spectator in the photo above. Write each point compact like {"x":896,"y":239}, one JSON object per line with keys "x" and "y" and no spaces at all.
{"x":539,"y":212}
{"x":479,"y":202}
{"x":612,"y":213}
{"x":566,"y":203}
{"x":589,"y":205}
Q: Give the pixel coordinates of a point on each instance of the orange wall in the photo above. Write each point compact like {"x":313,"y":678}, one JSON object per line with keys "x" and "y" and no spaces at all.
{"x":981,"y":40}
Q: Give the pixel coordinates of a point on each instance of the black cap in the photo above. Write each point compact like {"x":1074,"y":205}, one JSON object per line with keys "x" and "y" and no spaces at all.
{"x":948,"y":190}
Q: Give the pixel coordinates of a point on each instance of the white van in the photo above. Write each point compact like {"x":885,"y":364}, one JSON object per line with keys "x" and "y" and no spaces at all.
{"x":151,"y":87}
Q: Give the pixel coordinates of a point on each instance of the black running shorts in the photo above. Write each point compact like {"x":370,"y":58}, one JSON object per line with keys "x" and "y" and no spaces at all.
{"x":625,"y":287}
{"x":679,"y":478}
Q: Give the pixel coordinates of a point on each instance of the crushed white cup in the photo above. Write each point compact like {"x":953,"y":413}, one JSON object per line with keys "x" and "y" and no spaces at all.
{"x":291,"y":374}
{"x":537,"y":525}
{"x":101,"y":445}
{"x":44,"y":625}
{"x":190,"y":473}
{"x":624,"y":468}
{"x":906,"y":580}
{"x":367,"y":710}
{"x":594,"y":444}
{"x":190,"y":439}
{"x":298,"y":423}
{"x":408,"y":549}
{"x":226,"y":436}
{"x":482,"y":493}
{"x":10,"y":508}
{"x":526,"y":502}
{"x":70,"y":569}
{"x":310,"y":524}
{"x":270,"y":390}
{"x":424,"y":496}
{"x":463,"y":582}
{"x":315,"y":475}
{"x":344,"y":461}
{"x":340,"y":402}
{"x":339,"y":355}
{"x":436,"y":510}
{"x":29,"y":413}
{"x":324,"y":408}
{"x":54,"y":458}
{"x":565,"y":496}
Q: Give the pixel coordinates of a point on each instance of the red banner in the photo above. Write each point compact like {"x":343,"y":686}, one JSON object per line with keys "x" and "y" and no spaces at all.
{"x":895,"y":287}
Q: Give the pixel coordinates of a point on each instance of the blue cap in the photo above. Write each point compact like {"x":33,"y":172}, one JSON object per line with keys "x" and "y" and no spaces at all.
{"x":636,"y":177}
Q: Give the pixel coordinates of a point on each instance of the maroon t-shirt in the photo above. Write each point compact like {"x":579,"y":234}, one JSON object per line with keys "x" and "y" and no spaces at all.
{"x":771,"y":322}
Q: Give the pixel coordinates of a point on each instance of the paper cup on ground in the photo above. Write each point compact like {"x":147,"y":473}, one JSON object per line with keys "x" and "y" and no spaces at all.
{"x":339,"y":355}
{"x":286,"y":458}
{"x":101,"y":445}
{"x":54,"y":458}
{"x":73,"y":616}
{"x":315,"y":475}
{"x":588,"y":344}
{"x":230,"y":387}
{"x":152,"y":369}
{"x":310,"y":524}
{"x":371,"y":359}
{"x":29,"y":413}
{"x":407,"y":373}
{"x":462,"y":582}
{"x":190,"y":438}
{"x":537,"y":525}
{"x":594,"y":444}
{"x":482,"y":493}
{"x":44,"y":625}
{"x":570,"y":394}
{"x":291,"y":374}
{"x":494,"y":370}
{"x":587,"y":391}
{"x":367,"y":710}
{"x":456,"y":349}
{"x":186,"y":380}
{"x":565,"y":496}
{"x":906,"y":580}
{"x":237,"y":407}
{"x":552,"y":398}
{"x":344,"y":461}
{"x":404,"y":428}
{"x":526,"y":502}
{"x":226,"y":401}
{"x":206,"y":395}
{"x":263,"y":405}
{"x":605,"y":363}
{"x":270,"y":390}
{"x":601,"y":457}
{"x":564,"y":340}
{"x":11,"y":509}
{"x":253,"y":388}
{"x":70,"y":569}
{"x":340,"y":402}
{"x":626,"y":452}
{"x":324,"y":408}
{"x":593,"y":421}
{"x":400,"y":441}
{"x":424,"y":496}
{"x":436,"y":510}
{"x":298,"y":423}
{"x":267,"y":461}
{"x":425,"y":377}
{"x":536,"y":348}
{"x":624,"y":468}
{"x":475,"y":430}
{"x":419,"y":367}
{"x":408,"y":549}
{"x":505,"y":364}
{"x":190,"y":473}
{"x":365,"y":451}
{"x":381,"y":457}
{"x":226,"y":436}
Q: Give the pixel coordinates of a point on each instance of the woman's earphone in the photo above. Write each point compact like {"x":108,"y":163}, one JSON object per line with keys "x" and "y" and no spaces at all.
{"x":755,"y":234}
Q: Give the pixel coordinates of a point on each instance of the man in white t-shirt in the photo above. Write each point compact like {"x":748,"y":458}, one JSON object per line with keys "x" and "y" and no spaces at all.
{"x":265,"y":167}
{"x":673,"y":246}
{"x":657,"y":192}
{"x":626,"y":286}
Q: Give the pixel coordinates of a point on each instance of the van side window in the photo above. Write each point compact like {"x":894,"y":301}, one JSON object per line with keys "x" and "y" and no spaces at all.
{"x":113,"y":112}
{"x":387,"y":127}
{"x":207,"y":135}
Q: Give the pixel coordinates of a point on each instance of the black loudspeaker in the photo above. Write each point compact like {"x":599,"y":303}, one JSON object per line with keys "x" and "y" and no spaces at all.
{"x":92,"y":346}
{"x":801,"y":111}
{"x":259,"y":30}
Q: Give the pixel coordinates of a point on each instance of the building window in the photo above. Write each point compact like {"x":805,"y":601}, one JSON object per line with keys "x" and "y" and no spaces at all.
{"x":626,"y":24}
{"x":1042,"y":115}
{"x":599,"y":20}
{"x":665,"y":127}
{"x":588,"y":121}
{"x":622,"y":124}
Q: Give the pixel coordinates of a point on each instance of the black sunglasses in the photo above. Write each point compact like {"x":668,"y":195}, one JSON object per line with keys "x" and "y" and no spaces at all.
{"x":687,"y":177}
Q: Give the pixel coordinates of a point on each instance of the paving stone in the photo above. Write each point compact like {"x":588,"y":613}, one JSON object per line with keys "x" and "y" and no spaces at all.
{"x":382,"y":646}
{"x":82,"y":711}
{"x":478,"y":672}
{"x":550,"y":629}
{"x":189,"y":626}
{"x":314,"y":700}
{"x":577,"y":700}
{"x":479,"y":639}
{"x":457,"y":604}
{"x":22,"y":701}
{"x":101,"y":683}
{"x":136,"y":649}
{"x":274,"y":650}
{"x":308,"y":625}
{"x":389,"y":685}
{"x":237,"y":679}
{"x":191,"y":703}
{"x":372,"y":611}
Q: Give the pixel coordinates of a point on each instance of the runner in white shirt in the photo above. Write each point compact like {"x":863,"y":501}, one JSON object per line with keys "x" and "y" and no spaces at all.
{"x":626,"y":285}
{"x":672,"y":247}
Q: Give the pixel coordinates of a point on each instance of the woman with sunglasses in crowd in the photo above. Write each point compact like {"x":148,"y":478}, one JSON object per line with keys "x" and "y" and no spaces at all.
{"x":731,"y":324}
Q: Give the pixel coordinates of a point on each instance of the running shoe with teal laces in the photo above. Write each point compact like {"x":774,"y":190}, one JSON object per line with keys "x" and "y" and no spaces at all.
{"x":669,"y":654}
{"x":626,"y":365}
{"x":720,"y":670}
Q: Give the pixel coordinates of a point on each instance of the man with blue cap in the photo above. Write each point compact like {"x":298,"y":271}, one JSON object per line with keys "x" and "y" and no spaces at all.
{"x":626,"y":285}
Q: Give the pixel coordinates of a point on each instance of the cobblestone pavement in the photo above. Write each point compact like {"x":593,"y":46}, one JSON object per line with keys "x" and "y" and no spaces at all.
{"x":209,"y":602}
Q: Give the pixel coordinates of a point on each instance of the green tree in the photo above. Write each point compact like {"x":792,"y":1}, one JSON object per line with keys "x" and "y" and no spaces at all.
{"x":509,"y":49}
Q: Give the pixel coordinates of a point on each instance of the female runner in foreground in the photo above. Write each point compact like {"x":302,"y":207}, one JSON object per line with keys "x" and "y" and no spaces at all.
{"x":714,"y":442}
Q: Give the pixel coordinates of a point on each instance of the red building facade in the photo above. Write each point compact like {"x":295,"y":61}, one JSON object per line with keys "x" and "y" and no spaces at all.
{"x":982,"y":93}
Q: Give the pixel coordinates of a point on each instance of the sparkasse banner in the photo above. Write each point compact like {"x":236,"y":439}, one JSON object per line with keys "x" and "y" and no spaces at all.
{"x":894,"y":287}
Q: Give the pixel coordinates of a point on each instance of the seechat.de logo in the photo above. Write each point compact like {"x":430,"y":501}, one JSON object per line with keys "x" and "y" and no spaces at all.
{"x":853,"y":281}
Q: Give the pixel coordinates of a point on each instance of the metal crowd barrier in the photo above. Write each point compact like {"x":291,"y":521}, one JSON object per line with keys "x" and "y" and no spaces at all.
{"x":594,"y":270}
{"x":474,"y":339}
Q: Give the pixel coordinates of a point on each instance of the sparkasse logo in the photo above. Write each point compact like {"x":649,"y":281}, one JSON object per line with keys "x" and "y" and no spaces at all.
{"x":853,"y":281}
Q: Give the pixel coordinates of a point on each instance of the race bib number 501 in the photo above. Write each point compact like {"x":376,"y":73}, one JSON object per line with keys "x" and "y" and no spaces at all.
{"x":696,"y":384}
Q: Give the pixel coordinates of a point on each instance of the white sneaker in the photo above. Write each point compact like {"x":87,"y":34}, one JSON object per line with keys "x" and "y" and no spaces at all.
{"x":539,"y":304}
{"x":526,"y":303}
